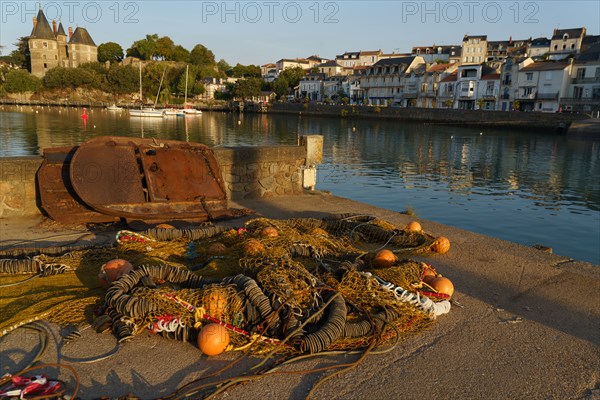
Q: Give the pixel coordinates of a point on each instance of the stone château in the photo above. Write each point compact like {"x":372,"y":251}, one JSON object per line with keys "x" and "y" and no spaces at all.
{"x":49,"y":47}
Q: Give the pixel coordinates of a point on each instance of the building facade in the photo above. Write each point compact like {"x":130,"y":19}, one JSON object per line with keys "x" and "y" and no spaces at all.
{"x":49,"y":47}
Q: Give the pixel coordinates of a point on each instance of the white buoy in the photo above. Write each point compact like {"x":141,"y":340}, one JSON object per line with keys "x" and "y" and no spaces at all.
{"x":239,"y":122}
{"x":353,"y":129}
{"x":480,"y":133}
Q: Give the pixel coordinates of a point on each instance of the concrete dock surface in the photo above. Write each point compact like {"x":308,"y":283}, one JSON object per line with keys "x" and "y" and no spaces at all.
{"x":529,"y":329}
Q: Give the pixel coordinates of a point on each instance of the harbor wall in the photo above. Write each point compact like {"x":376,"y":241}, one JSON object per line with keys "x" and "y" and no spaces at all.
{"x":248,"y":172}
{"x":551,"y":122}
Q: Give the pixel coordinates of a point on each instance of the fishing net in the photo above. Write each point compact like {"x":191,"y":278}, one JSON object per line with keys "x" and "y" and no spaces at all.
{"x":295,"y":285}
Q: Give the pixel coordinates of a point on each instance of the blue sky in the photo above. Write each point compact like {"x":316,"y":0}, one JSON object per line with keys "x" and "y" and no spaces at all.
{"x":257,"y":32}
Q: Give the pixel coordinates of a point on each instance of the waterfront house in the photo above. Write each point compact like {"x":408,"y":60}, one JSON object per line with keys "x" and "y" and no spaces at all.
{"x":565,"y":42}
{"x":285,"y":63}
{"x":488,"y":91}
{"x":384,"y":81}
{"x":311,"y":87}
{"x":468,"y":85}
{"x":214,"y":85}
{"x":268,"y":72}
{"x":509,"y":71}
{"x":48,"y":46}
{"x":429,"y":84}
{"x":583,"y":93}
{"x":446,"y":93}
{"x":540,"y":85}
{"x":335,"y":87}
{"x":351,"y":59}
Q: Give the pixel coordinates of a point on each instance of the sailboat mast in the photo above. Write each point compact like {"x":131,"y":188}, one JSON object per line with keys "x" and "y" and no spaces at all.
{"x":187,"y":67}
{"x":141,"y":98}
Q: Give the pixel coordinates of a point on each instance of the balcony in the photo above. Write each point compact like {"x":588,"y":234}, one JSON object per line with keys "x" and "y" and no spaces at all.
{"x":489,"y":95}
{"x":547,"y":96}
{"x":428,"y":93}
{"x":505,"y":96}
{"x":586,"y":80}
{"x":466,"y":94}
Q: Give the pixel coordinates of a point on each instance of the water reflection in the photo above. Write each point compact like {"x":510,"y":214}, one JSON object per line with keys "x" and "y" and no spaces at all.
{"x":517,"y":185}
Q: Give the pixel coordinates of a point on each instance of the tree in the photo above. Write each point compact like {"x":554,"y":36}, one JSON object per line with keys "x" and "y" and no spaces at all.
{"x":122,"y":79}
{"x":223,"y":66}
{"x":180,"y":54}
{"x":164,"y":48}
{"x":292,"y":75}
{"x":19,"y":80}
{"x":246,"y":71}
{"x":20,"y":56}
{"x":281,"y":87}
{"x":202,"y":56}
{"x":110,"y":51}
{"x":144,"y":49}
{"x":245,"y":88}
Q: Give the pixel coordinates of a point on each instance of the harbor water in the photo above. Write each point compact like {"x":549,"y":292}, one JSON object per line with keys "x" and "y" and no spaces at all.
{"x":532,"y":188}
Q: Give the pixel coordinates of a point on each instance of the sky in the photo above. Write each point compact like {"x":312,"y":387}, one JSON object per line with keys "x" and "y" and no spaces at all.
{"x":259,"y":32}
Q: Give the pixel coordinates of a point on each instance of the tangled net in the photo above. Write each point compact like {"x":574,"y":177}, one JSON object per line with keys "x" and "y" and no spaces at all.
{"x":284,"y":286}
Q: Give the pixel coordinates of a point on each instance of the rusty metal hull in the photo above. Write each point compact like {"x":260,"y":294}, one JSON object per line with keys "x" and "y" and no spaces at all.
{"x":57,"y":196}
{"x":149,"y":179}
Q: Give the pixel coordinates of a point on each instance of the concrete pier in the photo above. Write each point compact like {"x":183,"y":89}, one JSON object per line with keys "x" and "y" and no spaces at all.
{"x":529,"y":329}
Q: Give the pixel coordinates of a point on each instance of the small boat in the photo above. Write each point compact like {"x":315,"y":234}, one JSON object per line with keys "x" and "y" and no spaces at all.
{"x":114,"y":107}
{"x":147,"y":112}
{"x":191,"y":111}
{"x":187,"y":108}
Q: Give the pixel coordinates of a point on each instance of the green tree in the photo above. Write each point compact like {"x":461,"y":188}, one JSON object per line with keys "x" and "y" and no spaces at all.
{"x":110,"y":51}
{"x":223,"y":66}
{"x":19,"y":81}
{"x":123,"y":79}
{"x":20,"y":56}
{"x":292,"y":75}
{"x":180,"y":54}
{"x":245,"y":88}
{"x":280,"y":86}
{"x":164,"y":48}
{"x":202,"y":56}
{"x":246,"y":71}
{"x":144,"y":49}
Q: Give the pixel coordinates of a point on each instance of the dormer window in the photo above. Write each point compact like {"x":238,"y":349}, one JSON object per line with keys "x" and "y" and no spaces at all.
{"x":565,"y":36}
{"x":45,"y":45}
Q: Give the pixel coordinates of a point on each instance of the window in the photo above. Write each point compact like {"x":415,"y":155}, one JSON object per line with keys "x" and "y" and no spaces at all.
{"x":527,"y":91}
{"x":45,"y":65}
{"x":564,"y":46}
{"x":555,"y":47}
{"x":597,"y":72}
{"x":45,"y":45}
{"x":572,"y":45}
{"x":548,"y":75}
{"x":529,"y":76}
{"x":565,"y":36}
{"x":580,"y":73}
{"x":577,"y":92}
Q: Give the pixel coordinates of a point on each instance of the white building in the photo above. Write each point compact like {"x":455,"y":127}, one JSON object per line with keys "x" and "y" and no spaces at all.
{"x":540,"y":86}
{"x":312,"y":87}
{"x":508,"y":81}
{"x":446,"y":93}
{"x":565,"y":42}
{"x":583,"y":94}
{"x":383,"y":82}
{"x":429,"y":84}
{"x":285,"y":63}
{"x":474,"y":49}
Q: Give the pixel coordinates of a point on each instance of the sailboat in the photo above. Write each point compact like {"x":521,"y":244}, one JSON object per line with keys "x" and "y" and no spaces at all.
{"x":187,"y":108}
{"x":147,"y":111}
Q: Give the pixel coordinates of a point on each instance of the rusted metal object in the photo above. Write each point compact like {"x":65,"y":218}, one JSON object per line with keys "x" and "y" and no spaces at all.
{"x":149,"y":179}
{"x":57,"y":196}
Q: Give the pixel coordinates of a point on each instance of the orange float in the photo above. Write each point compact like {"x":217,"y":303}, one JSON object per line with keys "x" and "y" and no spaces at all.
{"x":442,"y":285}
{"x":269,"y":232}
{"x":441,"y":245}
{"x":213,"y":339}
{"x":414,"y":226}
{"x":384,"y":259}
{"x":113,"y":270}
{"x":253,"y":247}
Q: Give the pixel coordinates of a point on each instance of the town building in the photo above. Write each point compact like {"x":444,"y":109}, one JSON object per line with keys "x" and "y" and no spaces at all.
{"x":541,"y":85}
{"x":474,"y":49}
{"x":565,"y":42}
{"x":331,"y":68}
{"x":285,"y":63}
{"x":433,"y":54}
{"x":49,"y":47}
{"x":312,"y":87}
{"x":430,"y":81}
{"x":538,"y":47}
{"x":583,"y":94}
{"x":508,"y":81}
{"x":383,"y":83}
{"x":473,"y":84}
{"x":446,"y":94}
{"x":214,"y":85}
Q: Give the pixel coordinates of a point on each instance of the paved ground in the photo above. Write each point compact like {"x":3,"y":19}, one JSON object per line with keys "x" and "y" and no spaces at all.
{"x":529,"y":329}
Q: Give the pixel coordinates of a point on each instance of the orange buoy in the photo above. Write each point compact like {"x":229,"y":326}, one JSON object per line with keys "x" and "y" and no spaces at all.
{"x":384,"y":259}
{"x":253,"y":247}
{"x":213,"y":339}
{"x":113,"y":270}
{"x":414,"y":226}
{"x":428,"y":273}
{"x":164,"y":226}
{"x":441,"y":245}
{"x":442,"y":285}
{"x":269,"y":231}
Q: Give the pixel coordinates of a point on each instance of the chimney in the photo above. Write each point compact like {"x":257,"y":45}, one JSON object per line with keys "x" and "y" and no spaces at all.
{"x":70,"y":32}
{"x":54,"y":26}
{"x":34,"y":22}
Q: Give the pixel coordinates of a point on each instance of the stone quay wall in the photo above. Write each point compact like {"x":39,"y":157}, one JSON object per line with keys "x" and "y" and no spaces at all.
{"x":550,"y":122}
{"x":248,"y":172}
